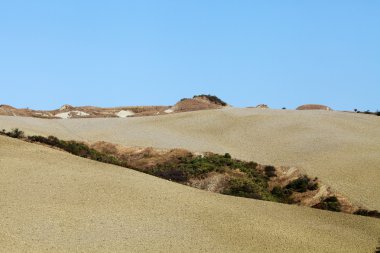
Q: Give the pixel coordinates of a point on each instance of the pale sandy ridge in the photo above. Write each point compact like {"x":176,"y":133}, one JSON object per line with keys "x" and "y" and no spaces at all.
{"x":52,"y":201}
{"x":199,"y":102}
{"x":342,"y":149}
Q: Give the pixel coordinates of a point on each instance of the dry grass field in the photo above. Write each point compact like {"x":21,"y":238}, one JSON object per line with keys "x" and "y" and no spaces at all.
{"x":342,"y":149}
{"x":52,"y":201}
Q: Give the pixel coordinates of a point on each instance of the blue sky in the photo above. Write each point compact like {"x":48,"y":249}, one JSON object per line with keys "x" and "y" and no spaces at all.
{"x":111,"y":53}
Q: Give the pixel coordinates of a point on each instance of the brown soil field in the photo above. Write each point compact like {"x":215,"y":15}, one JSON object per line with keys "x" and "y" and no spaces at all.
{"x":342,"y":149}
{"x":52,"y":201}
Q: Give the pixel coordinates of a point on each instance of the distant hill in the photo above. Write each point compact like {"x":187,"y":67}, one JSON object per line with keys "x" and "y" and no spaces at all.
{"x":314,"y":107}
{"x":198,"y":102}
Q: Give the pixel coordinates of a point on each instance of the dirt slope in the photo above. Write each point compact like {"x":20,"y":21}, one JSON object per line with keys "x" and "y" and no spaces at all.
{"x":196,"y":104}
{"x":68,"y":111}
{"x":342,"y":149}
{"x":314,"y":107}
{"x":55,"y":202}
{"x":200,"y":102}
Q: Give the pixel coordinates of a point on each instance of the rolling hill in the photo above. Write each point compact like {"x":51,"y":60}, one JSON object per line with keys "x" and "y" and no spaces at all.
{"x":52,"y":201}
{"x":342,"y":149}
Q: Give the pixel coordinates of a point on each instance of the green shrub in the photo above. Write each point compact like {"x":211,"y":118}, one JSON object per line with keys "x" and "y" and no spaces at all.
{"x":76,"y":148}
{"x":243,"y":188}
{"x":278,"y":192}
{"x":227,"y":156}
{"x":364,"y":212}
{"x":51,"y":140}
{"x":170,"y":173}
{"x":251,"y":165}
{"x":270,"y":171}
{"x":251,"y":185}
{"x":282,"y":195}
{"x":330,"y":203}
{"x":302,"y":184}
{"x":191,"y":167}
{"x":15,"y":133}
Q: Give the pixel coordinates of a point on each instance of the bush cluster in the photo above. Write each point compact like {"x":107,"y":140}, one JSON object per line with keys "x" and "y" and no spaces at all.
{"x":213,"y":99}
{"x":329,"y":203}
{"x":282,"y":195}
{"x":171,"y":173}
{"x":270,"y":171}
{"x":364,"y":212}
{"x":75,"y":148}
{"x":244,"y":187}
{"x":302,"y":184}
{"x":14,"y":133}
{"x":377,"y":113}
{"x":251,"y":184}
{"x":198,"y":166}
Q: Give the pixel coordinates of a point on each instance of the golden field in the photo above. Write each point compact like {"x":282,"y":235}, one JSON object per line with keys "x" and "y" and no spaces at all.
{"x":340,"y":148}
{"x":52,"y":201}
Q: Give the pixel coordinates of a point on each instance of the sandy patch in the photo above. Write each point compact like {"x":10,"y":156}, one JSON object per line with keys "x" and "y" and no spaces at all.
{"x":67,"y":115}
{"x":169,"y":110}
{"x":63,"y":115}
{"x":79,"y":113}
{"x":124,"y":114}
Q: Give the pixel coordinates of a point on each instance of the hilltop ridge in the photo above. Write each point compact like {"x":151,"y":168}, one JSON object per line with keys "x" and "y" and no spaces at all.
{"x":198,"y":102}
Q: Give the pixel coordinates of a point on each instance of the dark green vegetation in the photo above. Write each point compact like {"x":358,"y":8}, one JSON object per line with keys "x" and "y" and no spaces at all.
{"x":377,"y":250}
{"x":244,"y":179}
{"x":364,"y":212}
{"x":282,"y":194}
{"x":75,"y":148}
{"x":270,"y":171}
{"x":212,"y":98}
{"x":249,"y":183}
{"x":377,"y":113}
{"x":15,"y":133}
{"x":329,"y":203}
{"x":196,"y":166}
{"x":302,"y":184}
{"x":254,"y":188}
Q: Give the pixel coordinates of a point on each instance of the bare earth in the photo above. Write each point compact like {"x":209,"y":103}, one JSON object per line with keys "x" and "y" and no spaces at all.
{"x":52,"y":201}
{"x":202,"y":102}
{"x":342,"y":149}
